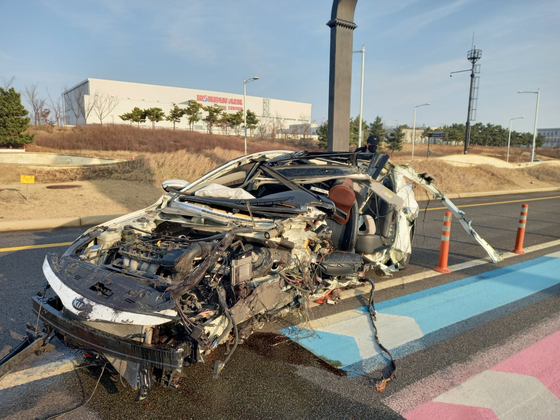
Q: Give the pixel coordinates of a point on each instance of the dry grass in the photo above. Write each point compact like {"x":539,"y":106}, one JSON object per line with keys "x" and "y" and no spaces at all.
{"x":113,"y":137}
{"x":454,"y":179}
{"x":152,"y":155}
{"x":158,"y":167}
{"x":545,"y":173}
{"x":483,"y":177}
{"x":150,"y":168}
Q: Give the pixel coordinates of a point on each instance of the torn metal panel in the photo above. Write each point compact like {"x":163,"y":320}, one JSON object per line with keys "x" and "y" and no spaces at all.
{"x":425,"y":181}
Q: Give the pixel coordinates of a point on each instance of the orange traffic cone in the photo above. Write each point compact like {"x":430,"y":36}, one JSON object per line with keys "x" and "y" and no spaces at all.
{"x":444,"y":247}
{"x":521,"y":229}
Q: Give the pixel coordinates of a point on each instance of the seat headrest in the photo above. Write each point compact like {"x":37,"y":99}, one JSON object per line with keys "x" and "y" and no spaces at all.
{"x":343,"y":196}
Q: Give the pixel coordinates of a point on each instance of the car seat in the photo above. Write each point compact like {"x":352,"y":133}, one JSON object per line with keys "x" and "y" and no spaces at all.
{"x":344,"y":223}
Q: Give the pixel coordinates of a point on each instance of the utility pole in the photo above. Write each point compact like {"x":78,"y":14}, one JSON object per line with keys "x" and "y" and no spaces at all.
{"x":245,"y":81}
{"x":538,"y":92}
{"x":363,"y":52}
{"x":473,"y":56}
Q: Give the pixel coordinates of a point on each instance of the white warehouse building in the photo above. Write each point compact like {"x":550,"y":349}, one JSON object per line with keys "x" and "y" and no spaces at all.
{"x":98,"y":101}
{"x":552,"y":137}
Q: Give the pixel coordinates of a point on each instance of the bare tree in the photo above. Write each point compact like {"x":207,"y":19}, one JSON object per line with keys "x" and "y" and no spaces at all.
{"x":103,"y":105}
{"x":264,"y":127}
{"x":37,"y":103}
{"x":305,"y":127}
{"x":276,"y":123}
{"x":56,"y":107}
{"x":76,"y":101}
{"x":292,"y":131}
{"x":45,"y":118}
{"x":72,"y":105}
{"x":8,"y":83}
{"x":86,"y":106}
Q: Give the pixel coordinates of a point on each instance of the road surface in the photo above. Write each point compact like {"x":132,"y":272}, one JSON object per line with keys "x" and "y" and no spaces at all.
{"x":476,"y":343}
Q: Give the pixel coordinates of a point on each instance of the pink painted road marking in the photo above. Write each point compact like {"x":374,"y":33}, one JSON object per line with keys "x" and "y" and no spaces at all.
{"x":510,"y":396}
{"x":541,"y":360}
{"x":445,"y":411}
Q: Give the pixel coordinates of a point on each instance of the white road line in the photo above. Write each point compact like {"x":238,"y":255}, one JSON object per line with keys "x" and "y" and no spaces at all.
{"x":25,"y":376}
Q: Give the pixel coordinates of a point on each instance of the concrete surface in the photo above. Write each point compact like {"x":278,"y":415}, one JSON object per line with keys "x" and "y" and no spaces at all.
{"x":53,"y":159}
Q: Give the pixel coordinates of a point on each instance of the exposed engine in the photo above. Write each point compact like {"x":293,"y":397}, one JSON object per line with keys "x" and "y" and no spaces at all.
{"x":211,"y":281}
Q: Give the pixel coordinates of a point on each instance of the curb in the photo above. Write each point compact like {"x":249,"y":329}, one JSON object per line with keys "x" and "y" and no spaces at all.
{"x":11,"y":225}
{"x":36,"y":224}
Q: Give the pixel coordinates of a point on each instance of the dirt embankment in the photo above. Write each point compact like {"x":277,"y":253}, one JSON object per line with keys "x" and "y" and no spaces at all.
{"x":474,"y":173}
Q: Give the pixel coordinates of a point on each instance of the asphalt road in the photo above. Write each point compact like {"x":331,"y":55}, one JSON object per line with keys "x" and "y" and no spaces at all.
{"x":273,"y":378}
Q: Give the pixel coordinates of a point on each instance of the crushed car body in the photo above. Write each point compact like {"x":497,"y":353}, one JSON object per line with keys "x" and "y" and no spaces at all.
{"x":156,"y":291}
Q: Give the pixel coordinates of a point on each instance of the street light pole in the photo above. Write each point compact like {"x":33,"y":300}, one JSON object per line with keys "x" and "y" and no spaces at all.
{"x":509,"y":136}
{"x":63,"y":110}
{"x":245,"y":81}
{"x":538,"y":92}
{"x":363,"y":52}
{"x":414,"y":128}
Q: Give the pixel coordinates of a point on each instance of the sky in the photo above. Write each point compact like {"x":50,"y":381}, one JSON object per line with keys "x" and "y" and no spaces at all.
{"x":411,"y":48}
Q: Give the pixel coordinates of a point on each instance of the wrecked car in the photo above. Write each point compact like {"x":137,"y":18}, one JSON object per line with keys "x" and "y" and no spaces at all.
{"x":156,"y":291}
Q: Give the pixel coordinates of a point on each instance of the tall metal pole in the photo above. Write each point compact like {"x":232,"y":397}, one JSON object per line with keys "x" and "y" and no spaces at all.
{"x":468,"y":125}
{"x":509,"y":136}
{"x":535,"y":130}
{"x":538,"y":92}
{"x":413,"y":133}
{"x":245,"y":112}
{"x":363,"y":52}
{"x":245,"y":81}
{"x":63,"y":110}
{"x":473,"y":56}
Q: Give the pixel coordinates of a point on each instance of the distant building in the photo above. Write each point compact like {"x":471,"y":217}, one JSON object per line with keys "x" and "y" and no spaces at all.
{"x":552,"y":137}
{"x":300,"y":131}
{"x":420,"y":138}
{"x":84,"y":104}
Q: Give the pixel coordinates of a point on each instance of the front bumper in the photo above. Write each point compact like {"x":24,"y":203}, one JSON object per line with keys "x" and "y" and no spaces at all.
{"x":80,"y":334}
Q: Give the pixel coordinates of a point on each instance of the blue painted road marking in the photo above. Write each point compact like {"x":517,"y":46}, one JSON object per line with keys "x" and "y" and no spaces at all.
{"x":346,"y":340}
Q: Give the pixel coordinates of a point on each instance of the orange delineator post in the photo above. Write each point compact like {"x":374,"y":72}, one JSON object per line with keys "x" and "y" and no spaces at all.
{"x":444,"y":247}
{"x":521,"y":229}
